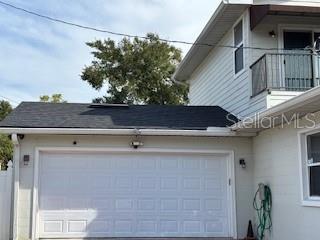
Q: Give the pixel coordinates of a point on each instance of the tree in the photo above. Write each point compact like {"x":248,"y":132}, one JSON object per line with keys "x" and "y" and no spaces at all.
{"x":136,"y":71}
{"x":6,"y":150}
{"x":55,"y":98}
{"x":6,"y":147}
{"x":5,"y":109}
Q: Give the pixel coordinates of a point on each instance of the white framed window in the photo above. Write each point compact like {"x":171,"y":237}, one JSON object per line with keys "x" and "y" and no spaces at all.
{"x":310,"y":168}
{"x":238,"y":43}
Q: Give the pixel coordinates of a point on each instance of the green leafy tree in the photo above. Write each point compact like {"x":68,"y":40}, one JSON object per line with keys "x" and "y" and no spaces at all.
{"x":6,"y":147}
{"x":54,"y":98}
{"x":6,"y":150}
{"x":5,"y":109}
{"x":135,"y":71}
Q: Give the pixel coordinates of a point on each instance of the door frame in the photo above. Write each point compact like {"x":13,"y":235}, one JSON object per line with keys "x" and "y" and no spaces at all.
{"x":295,"y":27}
{"x":231,"y":190}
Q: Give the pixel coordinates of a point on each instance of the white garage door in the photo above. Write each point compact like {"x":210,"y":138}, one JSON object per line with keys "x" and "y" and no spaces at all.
{"x":132,"y":195}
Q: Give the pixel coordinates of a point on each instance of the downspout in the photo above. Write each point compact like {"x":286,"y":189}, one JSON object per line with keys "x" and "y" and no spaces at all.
{"x":16,"y":161}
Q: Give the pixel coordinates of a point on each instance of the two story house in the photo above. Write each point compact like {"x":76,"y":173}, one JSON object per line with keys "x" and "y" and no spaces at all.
{"x":259,"y":60}
{"x":88,"y":171}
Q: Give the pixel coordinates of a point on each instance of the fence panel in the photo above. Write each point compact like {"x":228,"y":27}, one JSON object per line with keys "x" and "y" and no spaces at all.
{"x":5,"y":202}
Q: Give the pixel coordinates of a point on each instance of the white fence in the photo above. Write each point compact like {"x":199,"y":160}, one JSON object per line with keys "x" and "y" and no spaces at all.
{"x":5,"y":202}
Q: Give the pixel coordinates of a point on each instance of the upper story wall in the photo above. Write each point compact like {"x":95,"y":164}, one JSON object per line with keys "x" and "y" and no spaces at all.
{"x":215,"y":82}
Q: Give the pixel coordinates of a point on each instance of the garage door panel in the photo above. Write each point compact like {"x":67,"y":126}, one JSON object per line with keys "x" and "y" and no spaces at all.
{"x":133,"y":195}
{"x":53,"y":226}
{"x":77,"y":226}
{"x":53,"y":202}
{"x":147,"y":164}
{"x":101,"y":226}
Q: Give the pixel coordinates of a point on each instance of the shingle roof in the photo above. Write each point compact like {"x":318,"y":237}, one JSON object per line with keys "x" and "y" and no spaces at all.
{"x":75,"y":115}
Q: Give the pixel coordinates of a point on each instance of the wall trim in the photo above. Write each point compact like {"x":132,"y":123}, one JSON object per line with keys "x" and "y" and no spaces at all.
{"x":16,"y":179}
{"x":209,"y":132}
{"x":305,"y":198}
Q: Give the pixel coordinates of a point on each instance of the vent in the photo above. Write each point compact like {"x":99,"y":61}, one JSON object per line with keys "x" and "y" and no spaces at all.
{"x":105,"y":105}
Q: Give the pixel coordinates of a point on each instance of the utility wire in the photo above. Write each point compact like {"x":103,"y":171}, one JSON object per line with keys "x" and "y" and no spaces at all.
{"x":8,"y":99}
{"x":53,"y":19}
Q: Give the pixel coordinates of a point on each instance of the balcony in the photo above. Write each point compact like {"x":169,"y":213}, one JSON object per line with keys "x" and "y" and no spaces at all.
{"x":294,"y":71}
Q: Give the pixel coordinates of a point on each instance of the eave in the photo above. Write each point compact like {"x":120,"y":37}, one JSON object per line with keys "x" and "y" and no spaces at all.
{"x":259,"y":12}
{"x":295,"y":108}
{"x":219,"y":24}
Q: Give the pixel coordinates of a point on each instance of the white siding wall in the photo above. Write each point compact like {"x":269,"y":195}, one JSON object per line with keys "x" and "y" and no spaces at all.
{"x":276,"y":162}
{"x":277,"y":97}
{"x":260,"y":38}
{"x":241,"y":147}
{"x":215,"y":83}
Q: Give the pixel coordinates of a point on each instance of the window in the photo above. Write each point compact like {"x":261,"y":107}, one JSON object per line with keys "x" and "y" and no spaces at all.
{"x":238,"y":43}
{"x":310,"y":167}
{"x":313,"y":164}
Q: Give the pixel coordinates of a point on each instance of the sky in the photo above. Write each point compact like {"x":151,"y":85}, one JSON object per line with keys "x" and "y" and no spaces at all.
{"x":39,"y":57}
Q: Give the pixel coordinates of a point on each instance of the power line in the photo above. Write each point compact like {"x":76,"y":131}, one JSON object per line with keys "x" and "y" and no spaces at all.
{"x":53,"y":19}
{"x":9,"y":99}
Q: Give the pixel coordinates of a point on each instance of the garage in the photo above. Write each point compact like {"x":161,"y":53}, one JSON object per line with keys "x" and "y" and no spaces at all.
{"x":115,"y":170}
{"x":133,"y":194}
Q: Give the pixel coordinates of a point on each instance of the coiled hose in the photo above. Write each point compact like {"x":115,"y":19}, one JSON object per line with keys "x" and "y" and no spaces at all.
{"x":263,"y":208}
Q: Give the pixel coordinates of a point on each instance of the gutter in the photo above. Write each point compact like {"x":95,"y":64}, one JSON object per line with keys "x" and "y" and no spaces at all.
{"x":210,"y":132}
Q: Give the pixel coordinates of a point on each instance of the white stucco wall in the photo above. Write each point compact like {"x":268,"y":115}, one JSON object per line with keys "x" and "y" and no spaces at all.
{"x":277,"y":163}
{"x":240,"y":146}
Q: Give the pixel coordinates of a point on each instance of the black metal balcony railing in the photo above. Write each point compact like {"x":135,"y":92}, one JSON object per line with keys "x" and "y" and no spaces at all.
{"x":285,"y":72}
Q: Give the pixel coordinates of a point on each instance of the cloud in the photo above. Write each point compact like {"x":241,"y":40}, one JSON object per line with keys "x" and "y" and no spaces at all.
{"x":40,"y":57}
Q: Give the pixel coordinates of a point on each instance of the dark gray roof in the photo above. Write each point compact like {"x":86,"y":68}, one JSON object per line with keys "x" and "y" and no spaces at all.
{"x":75,"y":115}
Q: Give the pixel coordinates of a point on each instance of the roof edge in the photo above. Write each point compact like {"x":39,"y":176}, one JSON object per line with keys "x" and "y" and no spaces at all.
{"x":210,"y":132}
{"x":220,"y":9}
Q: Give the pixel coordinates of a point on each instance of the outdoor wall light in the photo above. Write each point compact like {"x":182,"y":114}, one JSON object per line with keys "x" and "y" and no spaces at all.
{"x":21,"y":136}
{"x":242,"y":163}
{"x":272,"y":34}
{"x":26,"y":160}
{"x":135,"y":144}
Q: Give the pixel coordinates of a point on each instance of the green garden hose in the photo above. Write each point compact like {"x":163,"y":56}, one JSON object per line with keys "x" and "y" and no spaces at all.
{"x":263,"y":208}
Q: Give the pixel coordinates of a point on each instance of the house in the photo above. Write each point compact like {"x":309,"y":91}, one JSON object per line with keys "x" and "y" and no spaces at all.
{"x":90,"y":170}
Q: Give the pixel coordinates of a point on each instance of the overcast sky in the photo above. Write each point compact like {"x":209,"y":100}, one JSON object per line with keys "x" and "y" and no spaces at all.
{"x":40,"y":57}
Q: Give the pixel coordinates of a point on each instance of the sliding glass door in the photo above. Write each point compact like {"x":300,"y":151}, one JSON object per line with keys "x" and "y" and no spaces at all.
{"x":297,"y":60}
